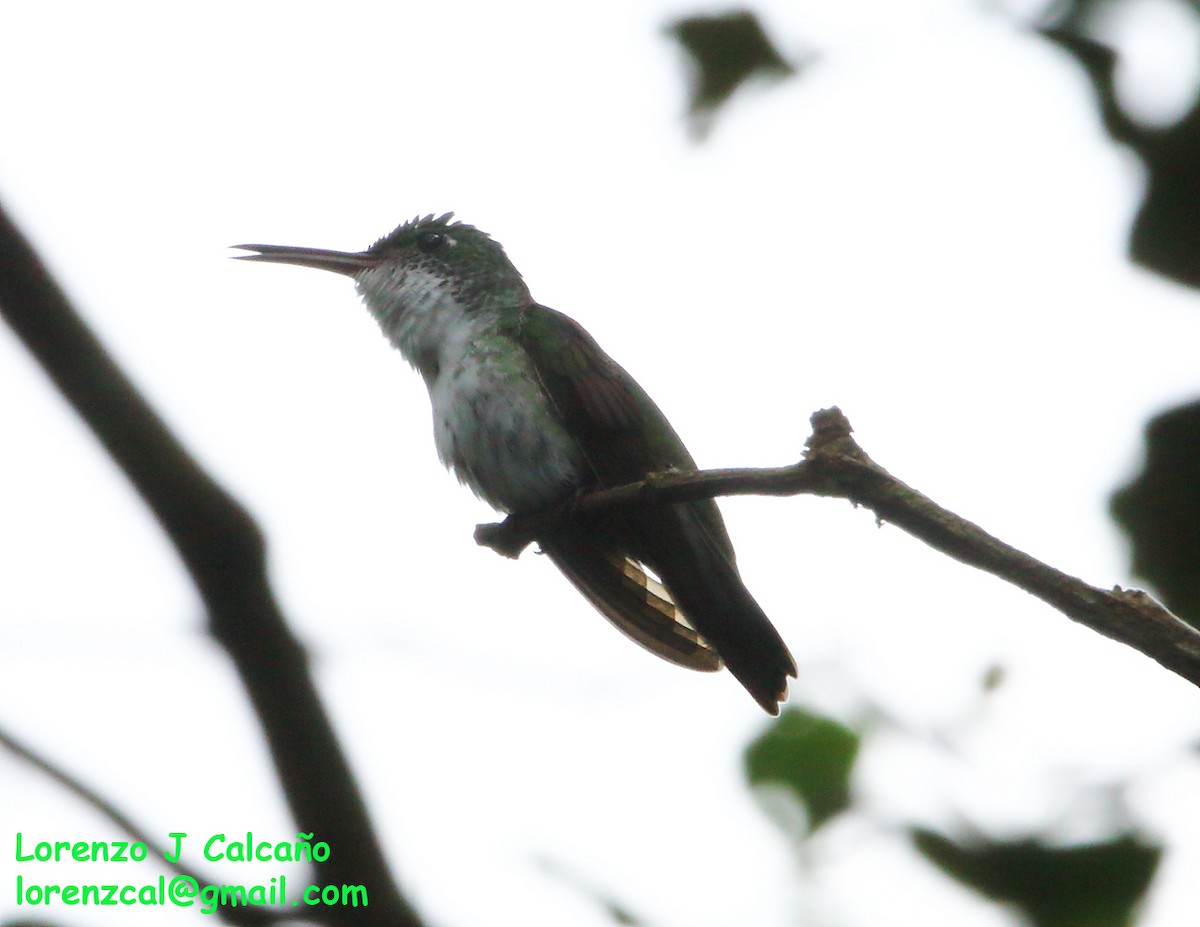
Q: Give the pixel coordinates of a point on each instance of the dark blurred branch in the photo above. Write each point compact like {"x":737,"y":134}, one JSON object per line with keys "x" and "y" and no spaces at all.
{"x":1099,"y":63}
{"x":224,"y":552}
{"x":836,"y":466}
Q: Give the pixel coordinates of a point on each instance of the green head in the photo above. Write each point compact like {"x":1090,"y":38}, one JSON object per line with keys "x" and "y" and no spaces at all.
{"x":474,"y":267}
{"x":423,"y":282}
{"x":424,"y":258}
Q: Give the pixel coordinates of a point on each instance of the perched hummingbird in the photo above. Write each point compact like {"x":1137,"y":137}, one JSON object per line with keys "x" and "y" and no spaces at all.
{"x":528,"y":411}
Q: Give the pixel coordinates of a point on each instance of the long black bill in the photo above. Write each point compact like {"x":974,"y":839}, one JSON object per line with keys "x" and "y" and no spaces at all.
{"x":349,"y":263}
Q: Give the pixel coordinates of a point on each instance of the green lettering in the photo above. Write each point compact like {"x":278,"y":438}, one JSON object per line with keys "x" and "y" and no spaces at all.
{"x":177,"y":836}
{"x":216,"y":838}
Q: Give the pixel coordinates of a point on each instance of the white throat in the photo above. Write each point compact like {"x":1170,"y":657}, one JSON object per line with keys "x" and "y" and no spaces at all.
{"x":418,"y":313}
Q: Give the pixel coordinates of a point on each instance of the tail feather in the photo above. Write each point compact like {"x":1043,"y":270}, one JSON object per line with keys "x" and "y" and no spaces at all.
{"x":729,"y":618}
{"x":698,"y":568}
{"x":634,"y":602}
{"x":700,"y":616}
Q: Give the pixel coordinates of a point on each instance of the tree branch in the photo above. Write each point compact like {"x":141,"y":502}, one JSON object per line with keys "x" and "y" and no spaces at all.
{"x":225,"y":554}
{"x":240,"y":915}
{"x":835,"y":466}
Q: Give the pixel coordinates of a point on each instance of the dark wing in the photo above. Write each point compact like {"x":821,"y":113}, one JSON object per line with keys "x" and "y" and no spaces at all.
{"x":620,"y":430}
{"x":623,"y":435}
{"x":607,"y":407}
{"x":634,"y":602}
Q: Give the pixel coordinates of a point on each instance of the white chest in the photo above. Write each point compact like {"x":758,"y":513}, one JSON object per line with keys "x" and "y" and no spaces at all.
{"x":495,"y":428}
{"x":492,"y":424}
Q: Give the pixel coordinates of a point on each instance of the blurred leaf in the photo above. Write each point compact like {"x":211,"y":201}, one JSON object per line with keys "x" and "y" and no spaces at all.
{"x":1160,"y":511}
{"x":809,"y":755}
{"x":725,"y":52}
{"x":1091,"y":885}
{"x":1166,"y":233}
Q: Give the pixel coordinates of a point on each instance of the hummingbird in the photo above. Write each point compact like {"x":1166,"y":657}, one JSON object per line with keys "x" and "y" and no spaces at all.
{"x":529,"y":412}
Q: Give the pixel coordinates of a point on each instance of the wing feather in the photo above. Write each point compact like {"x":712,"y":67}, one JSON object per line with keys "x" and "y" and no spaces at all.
{"x":638,"y":605}
{"x":701,"y":614}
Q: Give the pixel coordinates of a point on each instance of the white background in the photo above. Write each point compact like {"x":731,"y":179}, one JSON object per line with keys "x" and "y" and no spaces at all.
{"x":927,"y":229}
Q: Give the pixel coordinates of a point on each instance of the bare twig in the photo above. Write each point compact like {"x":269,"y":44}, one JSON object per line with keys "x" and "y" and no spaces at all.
{"x":242,"y":915}
{"x":224,"y":552}
{"x":836,"y":466}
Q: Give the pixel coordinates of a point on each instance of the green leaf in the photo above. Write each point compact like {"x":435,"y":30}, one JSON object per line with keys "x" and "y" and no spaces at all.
{"x":1090,"y":885}
{"x":1160,"y":511}
{"x":725,"y":52}
{"x":811,"y":756}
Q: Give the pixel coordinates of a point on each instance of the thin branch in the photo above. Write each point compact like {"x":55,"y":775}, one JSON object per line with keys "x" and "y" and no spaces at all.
{"x":232,"y":914}
{"x":225,"y":554}
{"x":835,"y":466}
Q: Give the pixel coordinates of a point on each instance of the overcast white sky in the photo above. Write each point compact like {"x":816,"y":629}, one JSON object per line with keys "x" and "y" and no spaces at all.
{"x":927,"y":230}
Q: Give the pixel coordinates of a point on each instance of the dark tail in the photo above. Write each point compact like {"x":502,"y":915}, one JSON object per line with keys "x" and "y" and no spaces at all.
{"x":699,"y":570}
{"x":701,"y":614}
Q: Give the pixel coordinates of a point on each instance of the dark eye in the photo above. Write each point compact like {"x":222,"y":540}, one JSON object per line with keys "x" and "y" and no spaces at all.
{"x":429,"y":242}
